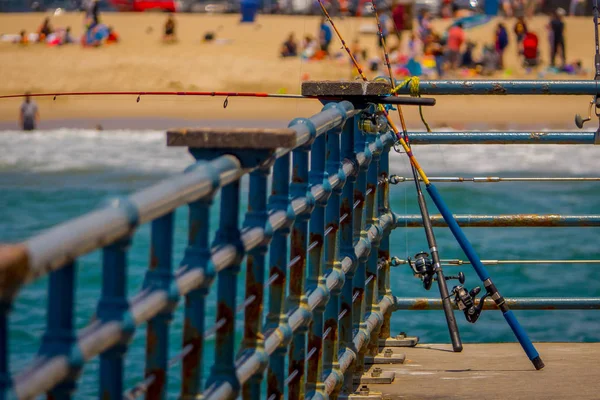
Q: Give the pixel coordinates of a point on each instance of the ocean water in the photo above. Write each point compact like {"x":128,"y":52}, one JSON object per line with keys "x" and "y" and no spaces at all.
{"x":50,"y":176}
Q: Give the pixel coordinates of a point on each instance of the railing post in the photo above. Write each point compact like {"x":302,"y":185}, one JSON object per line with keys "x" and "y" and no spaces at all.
{"x":315,"y":278}
{"x":278,"y":272}
{"x":372,"y":293}
{"x":383,"y":201}
{"x":5,"y":378}
{"x":347,"y":250}
{"x":228,"y":234}
{"x":255,"y":278}
{"x":332,"y":261}
{"x":113,"y":306}
{"x":197,"y":257}
{"x":297,"y":266}
{"x":360,"y":234}
{"x":252,"y":149}
{"x":159,"y":277}
{"x":60,"y":335}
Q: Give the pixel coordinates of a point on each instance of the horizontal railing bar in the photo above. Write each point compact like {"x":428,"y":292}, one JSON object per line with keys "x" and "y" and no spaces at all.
{"x":425,"y":138}
{"x":505,"y":87}
{"x":508,"y":220}
{"x":494,"y":179}
{"x":458,"y":262}
{"x":519,"y":303}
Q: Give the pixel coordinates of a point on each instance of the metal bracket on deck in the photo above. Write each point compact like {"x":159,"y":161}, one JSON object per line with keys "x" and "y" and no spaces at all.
{"x":375,"y":375}
{"x":401,"y":340}
{"x":387,"y":356}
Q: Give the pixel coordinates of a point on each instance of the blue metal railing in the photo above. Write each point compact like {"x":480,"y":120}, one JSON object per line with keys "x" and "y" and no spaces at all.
{"x":316,"y":254}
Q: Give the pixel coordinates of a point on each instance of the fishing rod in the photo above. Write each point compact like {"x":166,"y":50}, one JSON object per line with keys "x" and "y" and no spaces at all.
{"x":387,"y":99}
{"x":424,"y":268}
{"x":461,"y":296}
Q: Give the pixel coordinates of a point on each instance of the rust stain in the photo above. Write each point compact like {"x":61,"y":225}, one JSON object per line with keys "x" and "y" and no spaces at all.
{"x":153,"y":259}
{"x":497,"y":89}
{"x":420,"y":304}
{"x":14,"y":267}
{"x":537,"y":135}
{"x":546,"y":88}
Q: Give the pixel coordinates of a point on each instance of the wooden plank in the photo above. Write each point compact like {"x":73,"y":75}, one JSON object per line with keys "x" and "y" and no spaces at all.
{"x":232,"y":138}
{"x":345,"y":88}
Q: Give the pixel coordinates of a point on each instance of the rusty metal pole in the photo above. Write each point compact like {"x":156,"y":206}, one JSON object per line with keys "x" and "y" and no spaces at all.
{"x":159,"y":277}
{"x":347,"y":250}
{"x":297,"y":268}
{"x":360,"y":234}
{"x":278,"y":272}
{"x":332,"y":260}
{"x":315,"y":279}
{"x":383,"y":202}
{"x":372,"y":220}
{"x":255,"y":278}
{"x":228,"y":234}
{"x":60,"y":335}
{"x":197,"y":257}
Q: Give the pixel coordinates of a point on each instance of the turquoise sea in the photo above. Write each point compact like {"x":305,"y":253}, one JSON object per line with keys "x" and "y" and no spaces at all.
{"x":50,"y":176}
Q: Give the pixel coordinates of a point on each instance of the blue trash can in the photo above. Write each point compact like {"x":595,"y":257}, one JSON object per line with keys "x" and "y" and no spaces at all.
{"x":249,"y":9}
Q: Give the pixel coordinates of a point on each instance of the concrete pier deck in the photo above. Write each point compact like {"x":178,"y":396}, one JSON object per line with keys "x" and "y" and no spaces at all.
{"x":495,"y":371}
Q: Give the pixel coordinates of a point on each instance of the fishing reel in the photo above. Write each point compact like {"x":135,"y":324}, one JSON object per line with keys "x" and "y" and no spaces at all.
{"x":465,"y":301}
{"x":579,"y":120}
{"x":423,"y":268}
{"x":373,"y":123}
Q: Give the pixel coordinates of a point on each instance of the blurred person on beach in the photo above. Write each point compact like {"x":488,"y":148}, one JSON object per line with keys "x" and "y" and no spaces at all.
{"x":434,"y":47}
{"x":557,"y":27}
{"x":424,"y":25}
{"x":501,"y":43}
{"x":530,"y":50}
{"x":309,"y":47}
{"x":325,"y":35}
{"x":67,"y":38}
{"x":169,"y":35}
{"x":112,"y":37}
{"x":520,"y":30}
{"x":45,"y":30}
{"x":23,"y":40}
{"x":29,"y":114}
{"x":289,"y":48}
{"x":92,"y":14}
{"x":399,"y":18}
{"x":456,"y":38}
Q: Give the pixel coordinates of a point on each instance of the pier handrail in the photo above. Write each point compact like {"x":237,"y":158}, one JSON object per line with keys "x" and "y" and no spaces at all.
{"x":316,"y":252}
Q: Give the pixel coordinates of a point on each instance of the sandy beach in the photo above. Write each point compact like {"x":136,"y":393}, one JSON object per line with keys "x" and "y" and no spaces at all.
{"x":245,"y":58}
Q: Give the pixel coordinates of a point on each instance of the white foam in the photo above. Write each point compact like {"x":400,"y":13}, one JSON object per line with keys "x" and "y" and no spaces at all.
{"x":63,"y":150}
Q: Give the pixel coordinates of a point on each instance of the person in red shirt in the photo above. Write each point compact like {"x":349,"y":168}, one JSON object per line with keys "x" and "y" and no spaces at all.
{"x":399,"y":17}
{"x":456,"y":38}
{"x":530,"y":49}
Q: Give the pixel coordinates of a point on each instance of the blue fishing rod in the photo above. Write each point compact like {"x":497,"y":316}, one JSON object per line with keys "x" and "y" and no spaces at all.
{"x":465,"y":300}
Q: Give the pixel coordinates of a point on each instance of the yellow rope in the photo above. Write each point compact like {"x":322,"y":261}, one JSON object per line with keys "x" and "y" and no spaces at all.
{"x":413,"y":88}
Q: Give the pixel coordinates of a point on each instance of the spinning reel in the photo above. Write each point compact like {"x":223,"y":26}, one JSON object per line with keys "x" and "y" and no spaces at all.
{"x":423,"y":268}
{"x":579,"y":120}
{"x":373,"y":123}
{"x":465,"y":301}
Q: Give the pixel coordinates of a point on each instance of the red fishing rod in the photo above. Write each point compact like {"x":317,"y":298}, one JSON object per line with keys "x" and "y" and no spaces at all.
{"x":386,"y":99}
